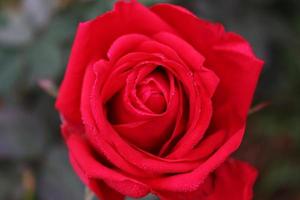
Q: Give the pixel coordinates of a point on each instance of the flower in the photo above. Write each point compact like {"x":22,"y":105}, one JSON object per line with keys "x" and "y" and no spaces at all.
{"x":155,"y":100}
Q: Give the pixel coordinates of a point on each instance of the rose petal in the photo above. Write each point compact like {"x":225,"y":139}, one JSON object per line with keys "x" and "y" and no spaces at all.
{"x":91,"y":169}
{"x":199,"y":120}
{"x":191,"y":57}
{"x":191,"y":181}
{"x":68,"y":99}
{"x":155,"y":47}
{"x":101,"y":189}
{"x":238,"y":69}
{"x":233,"y":180}
{"x":180,"y":125}
{"x":207,"y":146}
{"x":197,"y":32}
{"x":125,"y":44}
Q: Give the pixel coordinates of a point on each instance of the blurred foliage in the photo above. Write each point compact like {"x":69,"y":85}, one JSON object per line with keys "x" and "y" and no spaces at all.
{"x":35,"y":41}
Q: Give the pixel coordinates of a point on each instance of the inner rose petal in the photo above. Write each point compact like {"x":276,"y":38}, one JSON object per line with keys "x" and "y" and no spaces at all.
{"x":151,"y":91}
{"x":148,"y":90}
{"x":152,"y":97}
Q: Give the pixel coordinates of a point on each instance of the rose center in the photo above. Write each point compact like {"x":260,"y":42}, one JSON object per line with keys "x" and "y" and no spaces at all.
{"x":151,"y":96}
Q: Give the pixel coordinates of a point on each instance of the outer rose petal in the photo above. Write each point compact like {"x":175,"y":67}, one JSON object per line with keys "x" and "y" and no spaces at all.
{"x":233,"y":180}
{"x":238,"y":69}
{"x":186,"y":182}
{"x":199,"y":33}
{"x":192,"y":57}
{"x":68,"y":100}
{"x":100,"y":188}
{"x":95,"y":174}
{"x":92,"y":42}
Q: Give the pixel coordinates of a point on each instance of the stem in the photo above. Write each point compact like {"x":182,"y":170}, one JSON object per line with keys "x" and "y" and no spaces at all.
{"x":258,"y":107}
{"x":48,"y":86}
{"x":89,"y":195}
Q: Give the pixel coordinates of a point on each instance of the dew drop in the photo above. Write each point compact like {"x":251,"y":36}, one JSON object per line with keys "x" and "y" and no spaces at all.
{"x":190,"y":74}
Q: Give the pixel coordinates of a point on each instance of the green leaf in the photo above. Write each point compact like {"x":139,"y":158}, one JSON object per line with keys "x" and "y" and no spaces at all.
{"x":23,"y":135}
{"x":44,"y":60}
{"x":10,"y":71}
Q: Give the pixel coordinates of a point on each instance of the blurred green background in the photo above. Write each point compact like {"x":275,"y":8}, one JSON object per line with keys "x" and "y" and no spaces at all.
{"x":35,"y":39}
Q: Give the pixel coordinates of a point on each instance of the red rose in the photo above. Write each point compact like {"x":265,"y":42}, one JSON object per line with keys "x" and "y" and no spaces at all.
{"x":155,"y":100}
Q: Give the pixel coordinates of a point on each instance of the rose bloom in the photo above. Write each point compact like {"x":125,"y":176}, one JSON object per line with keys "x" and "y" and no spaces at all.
{"x":155,"y":100}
